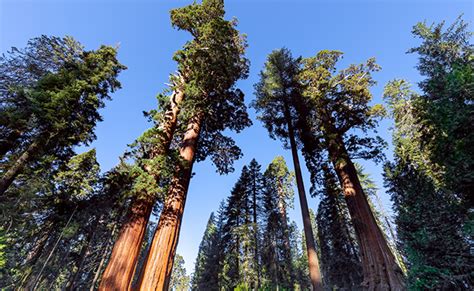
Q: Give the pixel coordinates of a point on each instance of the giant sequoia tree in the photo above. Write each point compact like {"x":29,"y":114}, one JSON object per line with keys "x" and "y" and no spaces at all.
{"x":275,"y":94}
{"x":212,"y":104}
{"x":338,"y":103}
{"x":50,"y":100}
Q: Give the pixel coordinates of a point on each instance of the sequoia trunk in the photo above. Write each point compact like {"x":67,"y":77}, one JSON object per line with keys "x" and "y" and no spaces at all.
{"x":159,"y":264}
{"x":122,"y":264}
{"x":313,"y":262}
{"x":381,"y":271}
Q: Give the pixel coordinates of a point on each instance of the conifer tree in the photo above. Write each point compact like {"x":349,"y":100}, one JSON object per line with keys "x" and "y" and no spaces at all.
{"x":338,"y":103}
{"x":339,"y":252}
{"x":275,"y":93}
{"x":61,"y":106}
{"x":206,"y":270}
{"x":276,"y":246}
{"x":212,"y":105}
{"x":431,"y":225}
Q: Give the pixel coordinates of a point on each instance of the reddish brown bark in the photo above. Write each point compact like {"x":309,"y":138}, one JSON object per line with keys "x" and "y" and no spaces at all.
{"x":159,"y":264}
{"x":380,"y":269}
{"x":119,"y":272}
{"x":122,"y":263}
{"x":313,"y":262}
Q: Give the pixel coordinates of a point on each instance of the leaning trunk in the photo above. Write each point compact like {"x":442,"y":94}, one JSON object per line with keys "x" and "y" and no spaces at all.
{"x":10,"y":175}
{"x":122,"y":264}
{"x":313,"y":262}
{"x":159,"y":264}
{"x":380,"y":269}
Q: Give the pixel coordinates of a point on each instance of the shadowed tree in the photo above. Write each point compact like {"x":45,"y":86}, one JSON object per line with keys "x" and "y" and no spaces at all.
{"x":276,"y":246}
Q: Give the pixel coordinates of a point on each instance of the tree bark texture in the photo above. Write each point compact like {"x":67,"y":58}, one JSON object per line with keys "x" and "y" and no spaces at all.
{"x":380,"y":269}
{"x":313,"y":262}
{"x":159,"y":264}
{"x":122,"y":264}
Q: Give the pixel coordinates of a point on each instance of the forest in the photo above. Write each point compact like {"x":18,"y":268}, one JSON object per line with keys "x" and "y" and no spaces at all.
{"x":68,"y":224}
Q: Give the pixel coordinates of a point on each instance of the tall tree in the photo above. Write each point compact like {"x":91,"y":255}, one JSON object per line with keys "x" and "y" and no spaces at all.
{"x":432,"y":226}
{"x":206,"y":270}
{"x":339,"y":107}
{"x":276,"y":246}
{"x":62,"y":108}
{"x":212,"y":105}
{"x":339,"y":252}
{"x":152,"y":155}
{"x":275,"y":90}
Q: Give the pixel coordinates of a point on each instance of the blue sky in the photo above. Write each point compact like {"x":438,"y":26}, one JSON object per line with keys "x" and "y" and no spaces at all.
{"x":361,"y":29}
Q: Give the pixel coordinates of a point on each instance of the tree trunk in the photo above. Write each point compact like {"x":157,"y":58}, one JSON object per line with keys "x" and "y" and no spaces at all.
{"x":122,"y":264}
{"x":82,"y":258}
{"x":313,"y":261}
{"x":10,"y":175}
{"x":381,"y":271}
{"x":121,"y":267}
{"x":159,"y":264}
{"x":38,"y":278}
{"x":255,"y":233}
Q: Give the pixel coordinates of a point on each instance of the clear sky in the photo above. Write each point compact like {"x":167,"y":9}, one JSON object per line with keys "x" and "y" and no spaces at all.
{"x":142,"y":29}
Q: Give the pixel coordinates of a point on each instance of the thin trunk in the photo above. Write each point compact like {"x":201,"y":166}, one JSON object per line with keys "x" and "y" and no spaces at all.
{"x":82,"y":258}
{"x":380,"y":269}
{"x":104,"y":257}
{"x":159,"y":264}
{"x":122,"y":264}
{"x":37,"y":281}
{"x":10,"y":175}
{"x":255,"y":231}
{"x":313,"y":261}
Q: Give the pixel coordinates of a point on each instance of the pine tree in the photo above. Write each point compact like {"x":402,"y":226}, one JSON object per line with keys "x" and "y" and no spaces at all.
{"x":430,"y":217}
{"x":275,"y":93}
{"x":62,"y":107}
{"x":276,"y":245}
{"x":339,"y":251}
{"x":206,"y":270}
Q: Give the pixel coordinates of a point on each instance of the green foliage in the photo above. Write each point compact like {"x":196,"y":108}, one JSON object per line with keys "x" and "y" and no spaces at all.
{"x":276,"y":93}
{"x":179,"y":280}
{"x":431,"y":177}
{"x":340,"y":114}
{"x":206,"y":270}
